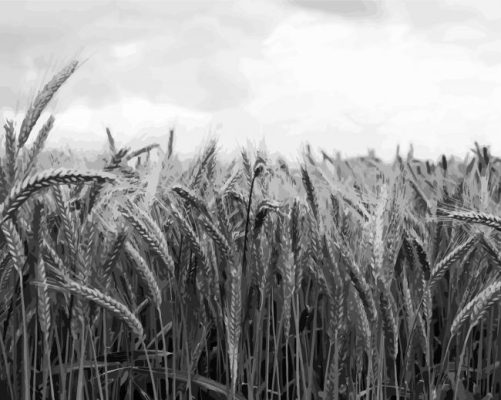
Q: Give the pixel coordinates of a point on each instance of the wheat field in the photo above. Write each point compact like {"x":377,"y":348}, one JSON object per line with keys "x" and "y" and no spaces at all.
{"x":331,"y":279}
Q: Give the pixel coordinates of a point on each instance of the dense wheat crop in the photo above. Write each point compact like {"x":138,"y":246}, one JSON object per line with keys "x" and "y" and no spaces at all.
{"x":332,"y":279}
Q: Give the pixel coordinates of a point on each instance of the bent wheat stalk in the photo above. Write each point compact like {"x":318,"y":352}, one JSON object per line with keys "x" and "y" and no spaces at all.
{"x":475,"y":217}
{"x":477,"y":307}
{"x":23,"y":190}
{"x":103,"y":300}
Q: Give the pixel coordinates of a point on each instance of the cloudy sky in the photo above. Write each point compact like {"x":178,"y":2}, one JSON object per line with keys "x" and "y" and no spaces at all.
{"x":342,"y":75}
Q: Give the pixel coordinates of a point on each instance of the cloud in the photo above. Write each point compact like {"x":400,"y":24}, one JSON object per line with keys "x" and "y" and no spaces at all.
{"x":355,"y":86}
{"x":490,"y":53}
{"x":171,"y":52}
{"x":8,"y":95}
{"x":224,"y":87}
{"x":430,"y":14}
{"x":467,"y":87}
{"x":345,"y":8}
{"x":462,"y":22}
{"x":342,"y":75}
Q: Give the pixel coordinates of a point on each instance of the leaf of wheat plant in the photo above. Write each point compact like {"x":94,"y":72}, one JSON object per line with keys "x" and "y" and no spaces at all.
{"x":255,"y":279}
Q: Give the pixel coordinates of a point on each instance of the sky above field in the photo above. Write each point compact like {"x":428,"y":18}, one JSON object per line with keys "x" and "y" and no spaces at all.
{"x":344,"y":76}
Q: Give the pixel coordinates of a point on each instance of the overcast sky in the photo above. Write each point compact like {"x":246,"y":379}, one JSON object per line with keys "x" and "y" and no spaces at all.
{"x":342,"y":75}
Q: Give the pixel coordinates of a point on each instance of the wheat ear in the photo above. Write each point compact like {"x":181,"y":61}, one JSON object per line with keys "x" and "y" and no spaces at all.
{"x":203,"y":163}
{"x":10,"y":150}
{"x":107,"y":302}
{"x":438,"y":272}
{"x":157,"y":244}
{"x":41,"y":101}
{"x":191,"y":198}
{"x":112,"y":257}
{"x":360,"y":284}
{"x":23,"y":190}
{"x":44,"y":316}
{"x":14,"y":244}
{"x":310,"y":192}
{"x":477,"y":307}
{"x":217,"y":237}
{"x":66,"y":222}
{"x":38,"y":145}
{"x":145,"y":273}
{"x":141,"y":151}
{"x":190,"y":235}
{"x":390,"y":324}
{"x":232,"y":322}
{"x":6,"y":285}
{"x":475,"y":217}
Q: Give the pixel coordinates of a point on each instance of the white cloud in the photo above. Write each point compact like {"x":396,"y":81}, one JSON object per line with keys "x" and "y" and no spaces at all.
{"x":461,"y":32}
{"x":125,"y":50}
{"x":316,"y":70}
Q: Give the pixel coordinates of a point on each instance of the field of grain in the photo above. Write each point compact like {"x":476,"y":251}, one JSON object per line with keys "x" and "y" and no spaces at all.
{"x":332,"y":279}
